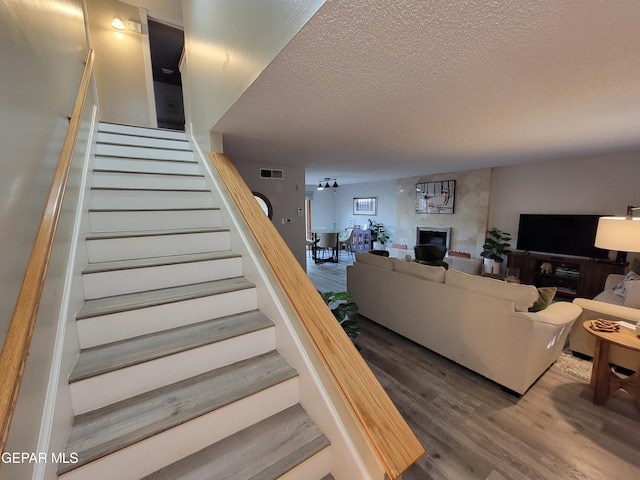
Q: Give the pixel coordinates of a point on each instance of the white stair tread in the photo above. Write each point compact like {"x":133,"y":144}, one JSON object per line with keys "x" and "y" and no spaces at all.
{"x":158,"y":261}
{"x":109,"y":429}
{"x":146,"y":174}
{"x":152,"y":233}
{"x":264,"y":451}
{"x":146,"y":141}
{"x":148,"y":189}
{"x":107,"y":156}
{"x":133,"y":301}
{"x":140,"y":131}
{"x":113,"y":356}
{"x":134,"y":209}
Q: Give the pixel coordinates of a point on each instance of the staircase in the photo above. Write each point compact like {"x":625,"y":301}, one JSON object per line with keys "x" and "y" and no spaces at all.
{"x":178,"y":375}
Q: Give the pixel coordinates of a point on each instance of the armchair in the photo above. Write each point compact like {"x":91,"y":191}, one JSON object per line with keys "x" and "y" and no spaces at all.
{"x":431,"y":254}
{"x":608,"y":306}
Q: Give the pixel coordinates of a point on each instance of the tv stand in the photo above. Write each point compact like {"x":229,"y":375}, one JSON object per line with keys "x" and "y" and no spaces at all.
{"x":574,"y":277}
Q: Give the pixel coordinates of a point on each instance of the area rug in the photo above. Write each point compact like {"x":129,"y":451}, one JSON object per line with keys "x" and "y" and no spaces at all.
{"x":574,"y":367}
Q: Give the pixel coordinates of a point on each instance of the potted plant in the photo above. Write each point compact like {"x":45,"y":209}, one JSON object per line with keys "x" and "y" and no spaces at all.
{"x":379,"y":235}
{"x":344,"y":309}
{"x":495,"y":245}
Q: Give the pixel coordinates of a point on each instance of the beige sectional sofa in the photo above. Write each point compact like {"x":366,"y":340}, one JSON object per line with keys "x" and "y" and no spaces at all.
{"x":480,"y":323}
{"x":608,"y":306}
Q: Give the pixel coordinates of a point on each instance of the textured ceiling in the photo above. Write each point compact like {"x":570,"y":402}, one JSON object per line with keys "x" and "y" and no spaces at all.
{"x":384,"y":89}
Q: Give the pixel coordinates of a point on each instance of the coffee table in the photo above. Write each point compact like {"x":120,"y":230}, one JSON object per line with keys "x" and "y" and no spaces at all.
{"x":604,"y":379}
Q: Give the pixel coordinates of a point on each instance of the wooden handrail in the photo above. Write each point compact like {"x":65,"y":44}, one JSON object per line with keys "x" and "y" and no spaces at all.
{"x":18,"y":340}
{"x":392,"y":440}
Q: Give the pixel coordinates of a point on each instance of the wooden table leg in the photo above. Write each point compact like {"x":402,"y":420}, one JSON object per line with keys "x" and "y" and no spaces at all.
{"x":601,"y":376}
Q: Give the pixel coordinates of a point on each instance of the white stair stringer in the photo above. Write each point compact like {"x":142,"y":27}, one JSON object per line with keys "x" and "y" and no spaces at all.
{"x":175,"y":356}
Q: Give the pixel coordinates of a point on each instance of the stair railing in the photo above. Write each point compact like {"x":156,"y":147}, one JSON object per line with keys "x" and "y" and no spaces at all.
{"x":389,"y":436}
{"x":15,"y":350}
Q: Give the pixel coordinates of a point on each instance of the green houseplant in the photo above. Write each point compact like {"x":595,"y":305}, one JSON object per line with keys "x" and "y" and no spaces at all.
{"x":379,"y":233}
{"x":344,"y":309}
{"x":495,"y":245}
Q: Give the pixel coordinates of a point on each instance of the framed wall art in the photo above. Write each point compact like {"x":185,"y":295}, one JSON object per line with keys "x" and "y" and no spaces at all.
{"x":365,"y":206}
{"x":435,"y":197}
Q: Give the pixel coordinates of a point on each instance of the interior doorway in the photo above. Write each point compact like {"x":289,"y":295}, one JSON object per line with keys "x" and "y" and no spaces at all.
{"x":166,"y":43}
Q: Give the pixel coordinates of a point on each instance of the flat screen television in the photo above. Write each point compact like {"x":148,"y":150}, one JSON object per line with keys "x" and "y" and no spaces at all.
{"x":560,"y":234}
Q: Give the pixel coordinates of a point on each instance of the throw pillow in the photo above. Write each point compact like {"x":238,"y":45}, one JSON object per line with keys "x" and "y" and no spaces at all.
{"x":632,"y":299}
{"x":621,"y":288}
{"x":545,"y":298}
{"x":635,"y":266}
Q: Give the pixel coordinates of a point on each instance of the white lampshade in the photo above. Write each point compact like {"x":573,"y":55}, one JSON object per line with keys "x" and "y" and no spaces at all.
{"x":618,"y":233}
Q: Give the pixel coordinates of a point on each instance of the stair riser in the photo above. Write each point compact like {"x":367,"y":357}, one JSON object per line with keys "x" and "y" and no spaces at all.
{"x":142,"y":165}
{"x":141,"y":131}
{"x":103,"y":329}
{"x":132,"y":221}
{"x":102,"y":390}
{"x":115,"y":138}
{"x":106,"y":284}
{"x":144,"y":458}
{"x":129,"y":248}
{"x":142,"y":152}
{"x":317,"y":466}
{"x":119,"y":199}
{"x":136,"y":180}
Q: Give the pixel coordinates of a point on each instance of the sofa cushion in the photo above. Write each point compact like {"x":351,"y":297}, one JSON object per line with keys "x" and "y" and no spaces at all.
{"x":632,"y":298}
{"x":375,"y":260}
{"x":545,"y":298}
{"x":607,"y":296}
{"x":524,"y":296}
{"x":415,"y":269}
{"x":621,"y":288}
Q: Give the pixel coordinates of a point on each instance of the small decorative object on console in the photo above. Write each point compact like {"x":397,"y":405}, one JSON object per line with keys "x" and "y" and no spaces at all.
{"x":600,"y":325}
{"x":546,"y":267}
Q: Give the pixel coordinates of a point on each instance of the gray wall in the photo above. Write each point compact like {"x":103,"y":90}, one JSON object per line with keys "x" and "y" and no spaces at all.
{"x":485,"y":198}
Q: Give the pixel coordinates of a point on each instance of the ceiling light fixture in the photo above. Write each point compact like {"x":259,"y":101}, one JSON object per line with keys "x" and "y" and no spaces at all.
{"x":117,"y":23}
{"x":619,"y":233}
{"x":326,"y":181}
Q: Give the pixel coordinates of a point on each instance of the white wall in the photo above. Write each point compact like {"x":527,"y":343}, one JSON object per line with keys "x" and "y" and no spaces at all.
{"x":45,"y":45}
{"x":120,"y":64}
{"x":43,"y":50}
{"x":228,"y":43}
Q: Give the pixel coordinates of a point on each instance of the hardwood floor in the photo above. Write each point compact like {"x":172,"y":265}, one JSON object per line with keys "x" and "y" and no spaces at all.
{"x":472,"y":429}
{"x":330,"y":277}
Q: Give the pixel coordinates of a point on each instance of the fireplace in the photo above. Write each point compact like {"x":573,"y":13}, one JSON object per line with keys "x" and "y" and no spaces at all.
{"x":435,"y":235}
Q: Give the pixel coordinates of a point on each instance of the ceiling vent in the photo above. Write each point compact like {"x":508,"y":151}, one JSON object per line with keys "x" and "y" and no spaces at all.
{"x":272,"y":173}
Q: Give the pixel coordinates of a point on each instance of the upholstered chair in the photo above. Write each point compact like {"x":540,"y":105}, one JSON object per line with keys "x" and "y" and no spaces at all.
{"x":382,"y":253}
{"x":430,"y":254}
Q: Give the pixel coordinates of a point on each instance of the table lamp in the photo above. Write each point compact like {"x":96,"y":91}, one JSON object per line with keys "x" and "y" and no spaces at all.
{"x":619,"y":233}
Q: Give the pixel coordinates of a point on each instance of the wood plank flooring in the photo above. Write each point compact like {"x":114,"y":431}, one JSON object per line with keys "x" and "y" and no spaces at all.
{"x":472,"y":429}
{"x":330,"y":277}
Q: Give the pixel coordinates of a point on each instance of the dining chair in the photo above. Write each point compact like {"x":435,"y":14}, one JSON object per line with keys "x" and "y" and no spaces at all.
{"x":327,"y":241}
{"x":346,"y":241}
